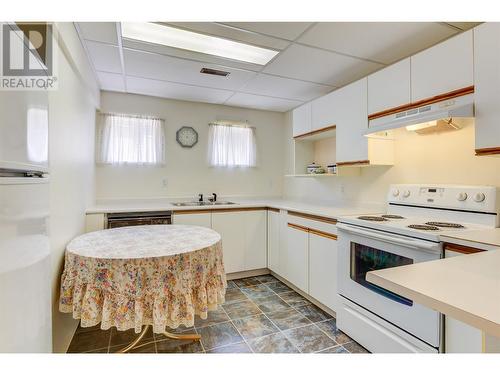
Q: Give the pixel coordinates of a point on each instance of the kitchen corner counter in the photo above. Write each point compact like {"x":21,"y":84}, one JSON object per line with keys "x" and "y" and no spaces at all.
{"x":466,"y":288}
{"x":485,"y":239}
{"x":327,"y":210}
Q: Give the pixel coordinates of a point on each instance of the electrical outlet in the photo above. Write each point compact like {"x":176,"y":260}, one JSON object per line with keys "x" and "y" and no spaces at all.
{"x":342,"y":188}
{"x":164,"y":182}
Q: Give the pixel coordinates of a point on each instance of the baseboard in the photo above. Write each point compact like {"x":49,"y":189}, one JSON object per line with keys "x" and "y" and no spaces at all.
{"x":251,"y":273}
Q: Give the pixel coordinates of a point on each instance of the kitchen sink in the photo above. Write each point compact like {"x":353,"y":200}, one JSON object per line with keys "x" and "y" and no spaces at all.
{"x":196,"y":204}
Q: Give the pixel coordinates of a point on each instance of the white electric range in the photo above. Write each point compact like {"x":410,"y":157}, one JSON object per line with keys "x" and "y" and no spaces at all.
{"x":408,"y":232}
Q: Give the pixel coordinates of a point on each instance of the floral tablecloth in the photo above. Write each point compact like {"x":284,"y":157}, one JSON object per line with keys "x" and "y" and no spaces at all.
{"x":162,"y":275}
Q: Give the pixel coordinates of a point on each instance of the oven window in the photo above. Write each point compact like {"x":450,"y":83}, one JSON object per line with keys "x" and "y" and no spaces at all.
{"x":365,"y":259}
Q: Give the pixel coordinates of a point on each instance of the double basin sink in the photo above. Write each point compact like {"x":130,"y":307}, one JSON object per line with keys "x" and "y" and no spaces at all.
{"x":196,"y":204}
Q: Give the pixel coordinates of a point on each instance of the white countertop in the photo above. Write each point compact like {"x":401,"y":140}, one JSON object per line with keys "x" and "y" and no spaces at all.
{"x":486,"y":239}
{"x":330,"y":210}
{"x":466,"y":287}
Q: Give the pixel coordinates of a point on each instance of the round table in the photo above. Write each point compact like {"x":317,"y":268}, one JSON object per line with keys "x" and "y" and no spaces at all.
{"x":158,"y":275}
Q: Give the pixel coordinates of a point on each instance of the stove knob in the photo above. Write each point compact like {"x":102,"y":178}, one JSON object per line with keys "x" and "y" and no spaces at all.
{"x":479,"y":197}
{"x":406,"y":193}
{"x":395,"y":192}
{"x":461,"y":196}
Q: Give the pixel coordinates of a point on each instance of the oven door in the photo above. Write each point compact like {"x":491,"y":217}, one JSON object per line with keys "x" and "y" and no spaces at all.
{"x":362,"y":250}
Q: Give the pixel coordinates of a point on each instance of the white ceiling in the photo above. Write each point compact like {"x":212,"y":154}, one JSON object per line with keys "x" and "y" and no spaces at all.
{"x":314,"y":59}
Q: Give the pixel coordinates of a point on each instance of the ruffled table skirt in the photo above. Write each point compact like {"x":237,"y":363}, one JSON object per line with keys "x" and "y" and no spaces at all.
{"x":164,"y":291}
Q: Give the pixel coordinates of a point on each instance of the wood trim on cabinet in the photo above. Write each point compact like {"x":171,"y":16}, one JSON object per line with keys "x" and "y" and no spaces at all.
{"x":330,"y":236}
{"x":272,"y":209}
{"x":354,"y":162}
{"x":434,"y":99}
{"x":487,"y":151}
{"x":313,"y":217}
{"x":461,"y":248}
{"x":314,"y":132}
{"x":215,"y":210}
{"x":298,"y":227}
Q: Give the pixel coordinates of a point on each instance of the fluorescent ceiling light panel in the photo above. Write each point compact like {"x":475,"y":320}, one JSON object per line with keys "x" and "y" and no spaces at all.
{"x":423,"y":125}
{"x":188,"y":40}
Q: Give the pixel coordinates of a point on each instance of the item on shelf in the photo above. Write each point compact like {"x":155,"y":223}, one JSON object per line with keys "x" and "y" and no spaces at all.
{"x":331,"y":169}
{"x":311,"y":168}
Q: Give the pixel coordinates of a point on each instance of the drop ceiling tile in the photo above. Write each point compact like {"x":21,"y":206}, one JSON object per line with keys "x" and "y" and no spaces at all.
{"x":232,"y":33}
{"x":287,"y":88}
{"x":104,"y":32}
{"x":105,"y":57}
{"x":111,"y":81}
{"x":188,"y":55}
{"x":285,"y":30}
{"x":384,"y":42}
{"x":176,"y":91}
{"x":154,"y":66}
{"x":262,"y":102}
{"x":312,"y":64}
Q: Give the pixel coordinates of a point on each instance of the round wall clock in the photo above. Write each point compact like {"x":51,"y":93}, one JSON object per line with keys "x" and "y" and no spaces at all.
{"x":187,"y":136}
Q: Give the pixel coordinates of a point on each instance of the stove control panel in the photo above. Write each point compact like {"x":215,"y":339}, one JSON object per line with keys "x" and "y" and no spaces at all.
{"x":457,"y":197}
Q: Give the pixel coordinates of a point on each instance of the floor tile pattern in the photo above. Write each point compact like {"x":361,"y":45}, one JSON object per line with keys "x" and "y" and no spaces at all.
{"x":260,"y":315}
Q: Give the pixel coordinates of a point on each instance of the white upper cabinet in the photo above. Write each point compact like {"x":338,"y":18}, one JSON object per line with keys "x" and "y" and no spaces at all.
{"x":445,"y":67}
{"x":352,"y":145}
{"x":487,"y":87}
{"x":301,"y":119}
{"x":323,"y":112}
{"x":390,"y":87}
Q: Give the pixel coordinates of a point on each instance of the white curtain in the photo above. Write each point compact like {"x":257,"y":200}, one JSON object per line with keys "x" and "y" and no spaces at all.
{"x":231,"y":145}
{"x":125,"y":139}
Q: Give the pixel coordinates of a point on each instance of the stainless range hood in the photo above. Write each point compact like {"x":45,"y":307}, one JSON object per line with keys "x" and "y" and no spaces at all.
{"x":462,"y":106}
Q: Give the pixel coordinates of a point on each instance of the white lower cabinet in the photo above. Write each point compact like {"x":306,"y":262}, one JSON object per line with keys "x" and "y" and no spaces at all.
{"x":255,"y":225}
{"x":461,"y":337}
{"x":323,"y":269}
{"x":231,"y":228}
{"x":273,"y":241}
{"x":203,"y":219}
{"x":297,"y":257}
{"x":244,"y":239}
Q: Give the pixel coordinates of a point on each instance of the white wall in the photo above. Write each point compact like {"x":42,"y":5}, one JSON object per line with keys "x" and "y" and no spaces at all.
{"x":71,"y":143}
{"x":187,"y":172}
{"x":445,"y":158}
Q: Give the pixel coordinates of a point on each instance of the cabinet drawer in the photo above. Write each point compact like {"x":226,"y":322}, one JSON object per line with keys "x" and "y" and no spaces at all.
{"x":318,"y":223}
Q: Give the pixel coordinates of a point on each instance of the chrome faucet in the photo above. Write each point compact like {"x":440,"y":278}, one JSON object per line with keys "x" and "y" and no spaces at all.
{"x":200,"y":197}
{"x":214,"y":198}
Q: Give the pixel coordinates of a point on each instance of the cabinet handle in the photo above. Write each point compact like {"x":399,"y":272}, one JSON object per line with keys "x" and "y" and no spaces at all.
{"x":298,"y":227}
{"x":330,"y":236}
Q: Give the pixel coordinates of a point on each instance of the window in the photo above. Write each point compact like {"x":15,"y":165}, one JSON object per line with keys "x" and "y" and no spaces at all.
{"x":125,"y":139}
{"x":231,"y":145}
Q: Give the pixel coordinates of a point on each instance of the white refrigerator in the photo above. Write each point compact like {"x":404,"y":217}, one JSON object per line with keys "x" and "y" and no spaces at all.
{"x":25,"y":263}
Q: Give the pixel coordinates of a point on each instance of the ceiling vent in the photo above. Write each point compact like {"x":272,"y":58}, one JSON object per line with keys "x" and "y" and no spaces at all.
{"x":214,"y":72}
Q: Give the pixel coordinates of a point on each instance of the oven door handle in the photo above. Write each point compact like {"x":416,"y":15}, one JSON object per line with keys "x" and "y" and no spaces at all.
{"x":406,"y":241}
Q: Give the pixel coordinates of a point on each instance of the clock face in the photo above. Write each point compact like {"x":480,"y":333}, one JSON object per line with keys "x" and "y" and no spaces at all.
{"x":187,"y":136}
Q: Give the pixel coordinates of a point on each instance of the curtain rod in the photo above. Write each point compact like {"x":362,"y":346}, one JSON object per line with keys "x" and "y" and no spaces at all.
{"x":130,"y":115}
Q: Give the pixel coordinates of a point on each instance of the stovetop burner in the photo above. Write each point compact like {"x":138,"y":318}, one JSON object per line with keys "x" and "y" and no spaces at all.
{"x":372,"y":218}
{"x":423,"y":227}
{"x":393,"y":216}
{"x":444,"y":225}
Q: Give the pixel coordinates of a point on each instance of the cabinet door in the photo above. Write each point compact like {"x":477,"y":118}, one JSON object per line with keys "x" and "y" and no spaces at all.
{"x":203,"y":219}
{"x":487,"y":85}
{"x":255,"y":239}
{"x":445,"y":67}
{"x":461,"y":337}
{"x":323,"y":112}
{"x":297,"y":249}
{"x":323,"y":270}
{"x":352,"y":145}
{"x":230,"y":225}
{"x":301,"y":119}
{"x":273,"y":241}
{"x":390,"y":87}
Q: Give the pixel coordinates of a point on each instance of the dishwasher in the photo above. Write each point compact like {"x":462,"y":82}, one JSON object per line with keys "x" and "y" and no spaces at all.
{"x":126,"y":219}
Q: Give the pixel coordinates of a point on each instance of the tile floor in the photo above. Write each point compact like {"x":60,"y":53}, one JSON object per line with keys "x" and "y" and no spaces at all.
{"x":260,"y":315}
